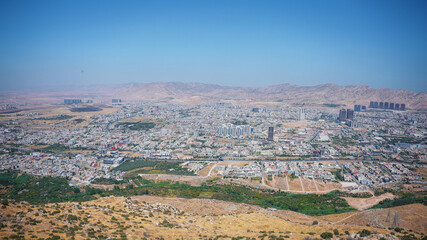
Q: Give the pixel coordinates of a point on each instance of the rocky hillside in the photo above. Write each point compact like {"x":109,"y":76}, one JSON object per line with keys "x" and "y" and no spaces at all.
{"x":149,"y":217}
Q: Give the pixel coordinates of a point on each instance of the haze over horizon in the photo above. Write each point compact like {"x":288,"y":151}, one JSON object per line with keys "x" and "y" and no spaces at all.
{"x":48,"y":44}
{"x":92,"y":87}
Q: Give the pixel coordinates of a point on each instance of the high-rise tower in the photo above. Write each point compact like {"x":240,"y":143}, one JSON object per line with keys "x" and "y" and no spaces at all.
{"x":301,"y":114}
{"x":343,"y":115}
{"x":270,"y":133}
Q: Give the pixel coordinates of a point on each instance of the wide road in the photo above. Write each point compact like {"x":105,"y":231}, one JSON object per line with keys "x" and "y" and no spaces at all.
{"x":257,"y":160}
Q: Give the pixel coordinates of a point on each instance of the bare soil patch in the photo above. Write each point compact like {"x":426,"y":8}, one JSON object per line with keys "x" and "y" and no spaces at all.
{"x":326,"y":187}
{"x":241,"y":181}
{"x":294,"y":184}
{"x":308,"y":185}
{"x":365,"y":203}
{"x":233,"y":163}
{"x":279,"y":182}
{"x":191,"y":180}
{"x":205,"y":171}
{"x":299,"y":124}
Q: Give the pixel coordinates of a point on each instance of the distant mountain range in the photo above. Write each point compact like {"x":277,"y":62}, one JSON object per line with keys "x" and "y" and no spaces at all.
{"x":196,"y":93}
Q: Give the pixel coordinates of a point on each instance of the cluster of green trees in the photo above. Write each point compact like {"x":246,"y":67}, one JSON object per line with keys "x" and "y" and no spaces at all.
{"x":40,"y":190}
{"x":403,"y":198}
{"x":405,"y":139}
{"x":343,"y":141}
{"x":86,"y":109}
{"x":56,"y":148}
{"x":380,"y":191}
{"x":53,"y":189}
{"x":79,"y":120}
{"x":133,"y":163}
{"x":338,"y":175}
{"x":58,"y":117}
{"x":387,"y":203}
{"x":150,"y":166}
{"x":61,"y":148}
{"x":107,"y":181}
{"x":311,"y":204}
{"x":137,"y":126}
{"x":354,"y":195}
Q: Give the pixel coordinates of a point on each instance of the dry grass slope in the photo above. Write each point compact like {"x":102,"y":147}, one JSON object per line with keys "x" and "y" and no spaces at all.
{"x":171,"y":218}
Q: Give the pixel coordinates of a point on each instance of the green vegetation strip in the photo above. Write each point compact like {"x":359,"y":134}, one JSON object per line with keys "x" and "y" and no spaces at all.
{"x":39,"y":190}
{"x":86,"y":109}
{"x":58,"y":117}
{"x":406,"y":200}
{"x":137,"y":126}
{"x":133,"y":167}
{"x":61,"y":148}
{"x":332,"y":105}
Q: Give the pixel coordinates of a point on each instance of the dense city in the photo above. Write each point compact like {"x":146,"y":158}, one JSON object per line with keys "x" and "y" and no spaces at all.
{"x":364,"y":148}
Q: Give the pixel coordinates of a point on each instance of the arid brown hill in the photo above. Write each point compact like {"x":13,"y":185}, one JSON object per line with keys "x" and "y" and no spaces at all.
{"x":326,"y":93}
{"x":196,"y":93}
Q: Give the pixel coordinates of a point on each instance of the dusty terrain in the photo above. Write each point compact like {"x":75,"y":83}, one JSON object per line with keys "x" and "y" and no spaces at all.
{"x":191,"y":180}
{"x":302,"y":185}
{"x":365,"y":203}
{"x":34,"y":117}
{"x":299,"y":124}
{"x":412,"y":217}
{"x":170,"y":218}
{"x":205,"y":171}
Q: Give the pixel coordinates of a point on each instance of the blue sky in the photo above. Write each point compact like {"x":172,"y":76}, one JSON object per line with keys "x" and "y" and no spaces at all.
{"x":382,"y":44}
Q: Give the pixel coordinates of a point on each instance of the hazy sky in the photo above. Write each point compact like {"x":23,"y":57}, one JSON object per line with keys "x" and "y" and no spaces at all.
{"x":237,"y":43}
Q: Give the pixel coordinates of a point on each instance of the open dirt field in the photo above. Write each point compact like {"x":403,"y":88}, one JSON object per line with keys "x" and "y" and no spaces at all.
{"x":246,"y":182}
{"x":32,"y":121}
{"x":297,"y":185}
{"x":275,"y":184}
{"x":205,"y":171}
{"x":327,"y":187}
{"x":280,"y":182}
{"x":299,"y":124}
{"x":294,"y":184}
{"x":225,"y":163}
{"x":191,"y":180}
{"x":365,"y":203}
{"x":308,"y":185}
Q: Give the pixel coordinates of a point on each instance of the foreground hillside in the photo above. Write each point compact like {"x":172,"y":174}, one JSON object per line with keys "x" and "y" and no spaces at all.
{"x":412,"y":216}
{"x":153,"y":217}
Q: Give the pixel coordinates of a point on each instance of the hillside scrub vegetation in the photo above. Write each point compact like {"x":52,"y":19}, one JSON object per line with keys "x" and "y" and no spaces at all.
{"x":38,"y":190}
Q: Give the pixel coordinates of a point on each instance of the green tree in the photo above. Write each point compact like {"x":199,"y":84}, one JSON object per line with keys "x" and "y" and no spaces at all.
{"x":336,"y":232}
{"x":5,"y":202}
{"x":326,"y":235}
{"x":364,"y":233}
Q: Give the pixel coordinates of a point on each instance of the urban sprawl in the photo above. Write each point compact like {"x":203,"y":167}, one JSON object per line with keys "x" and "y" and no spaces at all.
{"x":363,"y":148}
